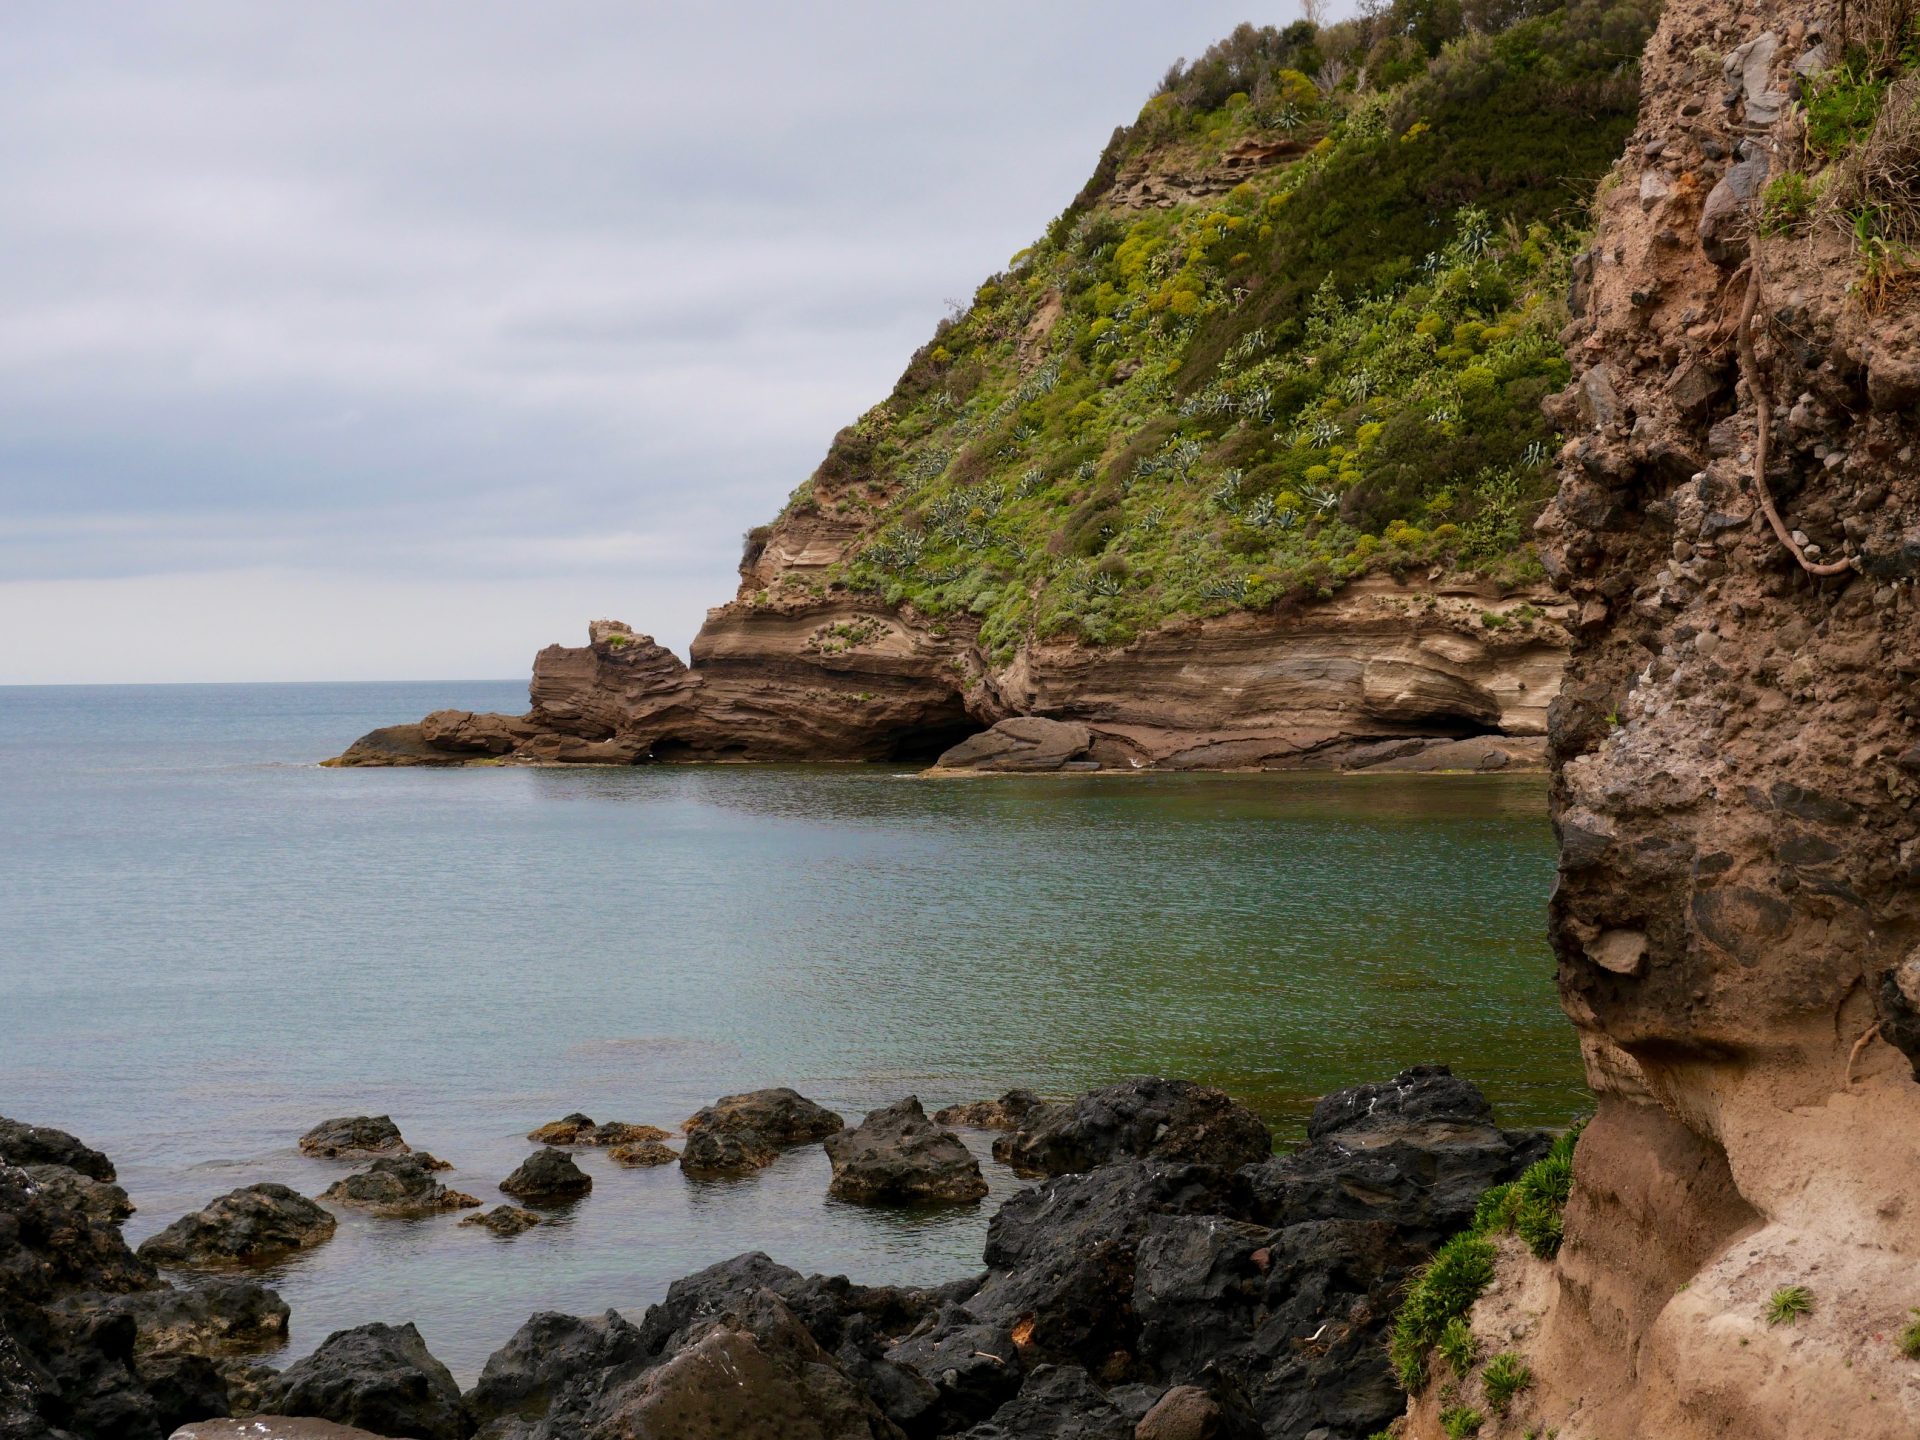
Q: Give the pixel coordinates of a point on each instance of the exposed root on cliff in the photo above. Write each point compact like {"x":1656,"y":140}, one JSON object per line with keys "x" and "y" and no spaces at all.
{"x":1853,"y":1055}
{"x":1763,"y":423}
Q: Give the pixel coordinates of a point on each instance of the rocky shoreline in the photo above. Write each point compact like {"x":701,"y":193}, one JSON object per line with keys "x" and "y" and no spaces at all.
{"x":1167,"y":1276}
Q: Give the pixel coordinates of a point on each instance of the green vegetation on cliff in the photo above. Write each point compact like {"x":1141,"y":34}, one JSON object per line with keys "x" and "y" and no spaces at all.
{"x":1296,"y":328}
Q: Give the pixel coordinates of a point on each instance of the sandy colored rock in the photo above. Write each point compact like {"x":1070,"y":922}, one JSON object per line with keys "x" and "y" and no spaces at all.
{"x":643,"y":1153}
{"x":504,"y":1220}
{"x":579,"y":1129}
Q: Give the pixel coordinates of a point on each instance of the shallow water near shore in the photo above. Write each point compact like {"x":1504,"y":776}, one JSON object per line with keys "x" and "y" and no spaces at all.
{"x":207,"y":943}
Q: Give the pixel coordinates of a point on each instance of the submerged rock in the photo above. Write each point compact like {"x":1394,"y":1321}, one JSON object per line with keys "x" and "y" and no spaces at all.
{"x":1006,"y":1113}
{"x":399,"y":1187}
{"x":504,"y":1220}
{"x":739,"y":1133}
{"x":1175,"y":1120}
{"x":578,"y":1129}
{"x":643,"y":1153}
{"x":379,"y":1377}
{"x":248,"y":1226}
{"x":29,"y":1145}
{"x":354,"y":1137}
{"x":896,"y":1156}
{"x":547,"y":1174}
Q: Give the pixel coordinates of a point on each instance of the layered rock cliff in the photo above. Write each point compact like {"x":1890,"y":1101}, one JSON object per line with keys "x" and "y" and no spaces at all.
{"x":1735,"y":766}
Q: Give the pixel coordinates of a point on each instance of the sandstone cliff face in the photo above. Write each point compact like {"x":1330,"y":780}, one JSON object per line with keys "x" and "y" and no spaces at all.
{"x":1735,"y":777}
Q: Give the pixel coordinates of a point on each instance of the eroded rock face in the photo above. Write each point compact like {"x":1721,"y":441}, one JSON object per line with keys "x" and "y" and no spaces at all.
{"x":248,"y":1226}
{"x":101,"y":1199}
{"x":1175,"y":1120}
{"x":741,"y":1133}
{"x":785,"y":673}
{"x":398,"y":1187}
{"x":354,"y":1137}
{"x":547,"y":1175}
{"x":377,"y":1377}
{"x":1738,"y":830}
{"x":28,"y":1145}
{"x":896,"y":1156}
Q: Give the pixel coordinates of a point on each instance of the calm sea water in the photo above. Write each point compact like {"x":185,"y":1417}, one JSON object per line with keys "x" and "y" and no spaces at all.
{"x":207,"y":944}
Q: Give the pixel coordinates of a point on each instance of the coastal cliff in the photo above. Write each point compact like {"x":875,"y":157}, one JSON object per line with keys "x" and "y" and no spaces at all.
{"x":1735,"y":766}
{"x":1235,"y":466}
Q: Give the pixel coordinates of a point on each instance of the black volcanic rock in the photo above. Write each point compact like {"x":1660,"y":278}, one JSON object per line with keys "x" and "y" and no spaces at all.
{"x":354,"y":1137}
{"x":28,"y":1145}
{"x":379,"y":1377}
{"x":741,"y":1133}
{"x":896,"y":1156}
{"x":248,"y":1226}
{"x":547,"y":1174}
{"x":1173,"y":1120}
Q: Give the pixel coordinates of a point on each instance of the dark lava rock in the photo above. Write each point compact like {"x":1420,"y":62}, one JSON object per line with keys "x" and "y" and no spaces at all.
{"x":547,"y":1353}
{"x":399,"y":1187}
{"x":216,"y":1315}
{"x":504,"y":1220}
{"x":899,"y":1157}
{"x":1006,"y":1113}
{"x":248,"y":1226}
{"x":380,"y":1378}
{"x":1057,"y":1402}
{"x":354,"y":1137}
{"x":102,"y":1199}
{"x":547,"y":1174}
{"x":29,"y":1145}
{"x":643,"y":1153}
{"x":1173,"y":1120}
{"x":738,"y":1133}
{"x":1424,"y":1092}
{"x":578,"y":1129}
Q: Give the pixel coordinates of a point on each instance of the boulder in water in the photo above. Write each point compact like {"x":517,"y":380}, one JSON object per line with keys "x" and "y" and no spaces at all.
{"x":248,"y":1226}
{"x":739,"y":1133}
{"x":398,"y":1187}
{"x":896,"y":1156}
{"x":578,"y":1129}
{"x":547,"y":1174}
{"x":1173,"y":1120}
{"x":504,"y":1220}
{"x":1006,"y":1113}
{"x":643,"y":1153}
{"x":354,"y":1137}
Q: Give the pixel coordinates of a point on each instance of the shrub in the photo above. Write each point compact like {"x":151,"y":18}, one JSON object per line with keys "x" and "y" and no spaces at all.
{"x":1533,"y":1207}
{"x":1787,"y":1304}
{"x":1909,"y":1341}
{"x":1506,"y":1376}
{"x":1460,"y":1421}
{"x":1458,"y":1346}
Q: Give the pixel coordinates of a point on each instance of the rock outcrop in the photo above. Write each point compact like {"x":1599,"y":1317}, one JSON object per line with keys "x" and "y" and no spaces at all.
{"x":28,"y":1145}
{"x":578,"y":1129}
{"x":1319,"y":688}
{"x":546,"y":1176}
{"x":738,"y":1134}
{"x":354,"y":1137}
{"x":398,"y":1187}
{"x":1146,"y":1119}
{"x":1006,"y":1113}
{"x":248,"y":1226}
{"x":504,"y":1220}
{"x":896,"y":1156}
{"x":376,"y":1377}
{"x":1735,"y":783}
{"x":1138,"y":1297}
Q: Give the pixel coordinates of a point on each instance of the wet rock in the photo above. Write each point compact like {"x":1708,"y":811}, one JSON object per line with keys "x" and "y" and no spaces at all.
{"x":29,"y":1145}
{"x":1174,"y":1120}
{"x":1006,"y":1113}
{"x":643,"y":1153}
{"x":504,"y":1220}
{"x":896,"y":1156}
{"x":216,"y":1315}
{"x":739,"y":1133}
{"x":578,"y":1129}
{"x":379,"y":1377}
{"x":547,"y":1174}
{"x":248,"y":1226}
{"x":548,"y":1352}
{"x":101,"y":1199}
{"x":1024,"y":743}
{"x":354,"y":1137}
{"x":399,"y":1187}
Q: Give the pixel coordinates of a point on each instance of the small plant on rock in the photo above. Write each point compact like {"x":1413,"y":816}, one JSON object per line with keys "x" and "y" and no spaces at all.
{"x":1458,"y":1346}
{"x":1787,"y":1304}
{"x":1909,"y":1341}
{"x":1507,"y":1375}
{"x":1460,"y":1421}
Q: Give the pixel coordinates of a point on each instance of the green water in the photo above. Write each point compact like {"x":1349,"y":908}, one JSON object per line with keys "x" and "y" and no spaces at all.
{"x":207,"y":944}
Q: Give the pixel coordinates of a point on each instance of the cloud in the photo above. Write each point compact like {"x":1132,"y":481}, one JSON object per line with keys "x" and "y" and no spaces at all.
{"x":474,"y":305}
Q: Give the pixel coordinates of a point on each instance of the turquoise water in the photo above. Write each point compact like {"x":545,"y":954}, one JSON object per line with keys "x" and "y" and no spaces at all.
{"x":207,"y":943}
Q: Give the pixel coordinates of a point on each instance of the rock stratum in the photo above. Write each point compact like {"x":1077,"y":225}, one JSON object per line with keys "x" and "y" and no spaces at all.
{"x":1735,"y":777}
{"x":1375,"y":677}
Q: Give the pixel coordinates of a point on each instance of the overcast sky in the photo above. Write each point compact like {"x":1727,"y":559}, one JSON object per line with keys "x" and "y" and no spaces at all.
{"x":355,"y":340}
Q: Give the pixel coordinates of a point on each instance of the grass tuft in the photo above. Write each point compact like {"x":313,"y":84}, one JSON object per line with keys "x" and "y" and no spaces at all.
{"x":1787,"y":1304}
{"x":1507,"y":1375}
{"x":1461,"y":1421}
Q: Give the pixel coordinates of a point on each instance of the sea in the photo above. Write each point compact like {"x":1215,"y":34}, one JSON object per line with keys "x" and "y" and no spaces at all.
{"x":209,"y":943}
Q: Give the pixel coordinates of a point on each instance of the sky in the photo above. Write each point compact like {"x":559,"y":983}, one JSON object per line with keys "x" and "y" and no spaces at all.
{"x":363,"y":341}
